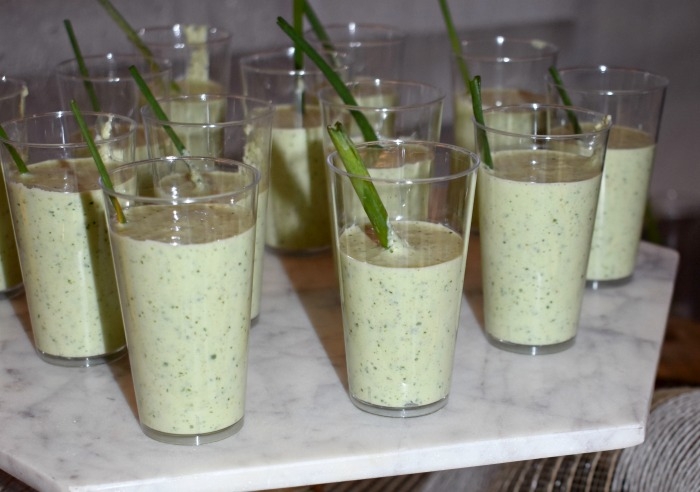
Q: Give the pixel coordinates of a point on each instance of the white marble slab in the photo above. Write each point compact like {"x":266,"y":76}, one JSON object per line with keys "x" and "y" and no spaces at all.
{"x":76,"y":429}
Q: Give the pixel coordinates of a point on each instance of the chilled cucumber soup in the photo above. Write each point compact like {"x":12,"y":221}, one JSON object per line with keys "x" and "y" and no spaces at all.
{"x":66,"y":260}
{"x":10,"y":273}
{"x":297,"y":212}
{"x":401,"y":313}
{"x":187,"y":313}
{"x":620,"y":215}
{"x":535,"y":239}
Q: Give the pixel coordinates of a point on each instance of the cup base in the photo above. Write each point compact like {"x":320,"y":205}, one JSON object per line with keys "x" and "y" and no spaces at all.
{"x":192,"y":439}
{"x":12,"y":292}
{"x":405,"y":412}
{"x":90,"y":361}
{"x":602,"y":284}
{"x":531,"y":349}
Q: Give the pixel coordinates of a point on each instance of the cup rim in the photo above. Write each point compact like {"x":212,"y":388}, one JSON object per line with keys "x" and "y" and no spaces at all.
{"x":67,"y":69}
{"x":606,"y":120}
{"x":653,"y":81}
{"x":133,"y":125}
{"x":325,"y":93}
{"x":248,"y":63}
{"x":146,"y":111}
{"x":182,"y":200}
{"x":541,"y":49}
{"x":221,"y":36}
{"x":394,"y":35}
{"x":476,"y":161}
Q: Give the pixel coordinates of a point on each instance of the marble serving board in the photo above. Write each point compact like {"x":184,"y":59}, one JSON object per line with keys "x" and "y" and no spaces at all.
{"x":77,"y":429}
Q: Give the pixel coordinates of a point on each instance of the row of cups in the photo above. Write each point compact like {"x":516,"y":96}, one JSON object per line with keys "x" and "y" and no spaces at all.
{"x":178,"y":260}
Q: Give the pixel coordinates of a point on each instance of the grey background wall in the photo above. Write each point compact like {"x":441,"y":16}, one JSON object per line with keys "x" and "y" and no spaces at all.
{"x":663,"y":37}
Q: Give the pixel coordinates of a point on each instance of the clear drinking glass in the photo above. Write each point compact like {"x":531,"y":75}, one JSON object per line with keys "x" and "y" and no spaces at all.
{"x":220,"y":125}
{"x":13,"y":93}
{"x":200,"y":55}
{"x":394,"y":109}
{"x":537,"y":198}
{"x":512,"y":71}
{"x":401,"y":304}
{"x":183,"y":257}
{"x":298,"y":219}
{"x":373,"y":51}
{"x":634,"y":99}
{"x":62,"y":239}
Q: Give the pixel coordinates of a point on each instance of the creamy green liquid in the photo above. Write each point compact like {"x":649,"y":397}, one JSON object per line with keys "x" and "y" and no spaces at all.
{"x":298,"y":217}
{"x":535,"y":239}
{"x":66,"y":260}
{"x":10,"y":272}
{"x":620,"y":214}
{"x":187,"y":314}
{"x":401,"y":313}
{"x":463,"y":113}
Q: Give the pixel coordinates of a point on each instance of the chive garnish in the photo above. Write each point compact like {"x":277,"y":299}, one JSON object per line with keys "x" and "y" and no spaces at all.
{"x":21,"y":166}
{"x":455,"y":42}
{"x":317,"y":27}
{"x":344,"y":93}
{"x":365,"y":189}
{"x":300,"y":93}
{"x":477,"y":108}
{"x":564,"y":98}
{"x":157,"y":110}
{"x":89,"y":88}
{"x":98,"y":160}
{"x":133,"y":36}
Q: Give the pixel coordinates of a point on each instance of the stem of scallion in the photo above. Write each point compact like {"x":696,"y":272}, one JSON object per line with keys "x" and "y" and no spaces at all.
{"x":89,"y":88}
{"x":346,"y":96}
{"x":477,"y":108}
{"x":564,"y":98}
{"x":365,"y":189}
{"x":455,"y":42}
{"x":21,"y":166}
{"x":157,"y":110}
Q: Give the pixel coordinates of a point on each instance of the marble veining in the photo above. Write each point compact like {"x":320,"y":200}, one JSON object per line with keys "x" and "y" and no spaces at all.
{"x":77,"y":429}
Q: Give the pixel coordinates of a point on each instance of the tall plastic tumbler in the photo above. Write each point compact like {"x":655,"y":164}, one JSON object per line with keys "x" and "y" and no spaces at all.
{"x":13,"y":93}
{"x":401,"y":298}
{"x":220,"y":125}
{"x":183,"y":257}
{"x":538,"y":193}
{"x":634,"y":99}
{"x":62,"y":238}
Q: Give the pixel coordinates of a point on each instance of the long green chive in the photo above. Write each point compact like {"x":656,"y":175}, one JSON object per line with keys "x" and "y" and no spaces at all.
{"x":455,"y":42}
{"x":475,"y":90}
{"x":98,"y":160}
{"x":317,"y":27}
{"x":89,"y":88}
{"x":344,"y":93}
{"x":133,"y":36}
{"x":564,"y":98}
{"x":157,"y":110}
{"x":19,"y":162}
{"x":365,"y":189}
